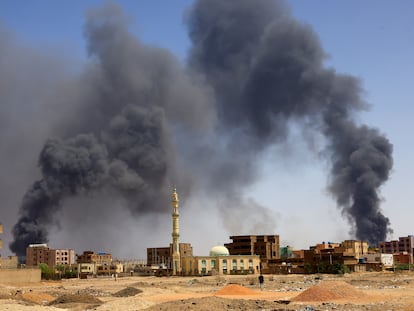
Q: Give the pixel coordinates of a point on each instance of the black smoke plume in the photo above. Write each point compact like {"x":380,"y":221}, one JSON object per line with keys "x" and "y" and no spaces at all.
{"x":131,"y":96}
{"x":252,"y":72}
{"x":267,"y":71}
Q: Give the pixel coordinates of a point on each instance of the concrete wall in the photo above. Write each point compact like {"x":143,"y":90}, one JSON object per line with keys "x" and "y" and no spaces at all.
{"x":20,"y":275}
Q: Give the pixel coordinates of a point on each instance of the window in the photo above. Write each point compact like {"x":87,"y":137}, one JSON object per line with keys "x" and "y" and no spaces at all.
{"x":241,"y":264}
{"x":203,"y":263}
{"x":213,"y":263}
{"x":224,"y":266}
{"x":234,"y":265}
{"x":251,"y":264}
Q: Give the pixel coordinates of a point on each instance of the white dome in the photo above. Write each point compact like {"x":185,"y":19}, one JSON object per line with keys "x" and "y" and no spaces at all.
{"x":219,"y":251}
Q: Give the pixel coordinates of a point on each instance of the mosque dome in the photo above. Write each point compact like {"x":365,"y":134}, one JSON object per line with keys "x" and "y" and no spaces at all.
{"x":219,"y":251}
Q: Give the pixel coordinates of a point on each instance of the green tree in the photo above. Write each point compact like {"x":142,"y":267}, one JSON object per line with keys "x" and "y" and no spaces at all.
{"x":47,"y":272}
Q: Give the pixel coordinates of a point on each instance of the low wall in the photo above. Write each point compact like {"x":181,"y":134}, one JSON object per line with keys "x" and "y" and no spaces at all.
{"x":20,"y":275}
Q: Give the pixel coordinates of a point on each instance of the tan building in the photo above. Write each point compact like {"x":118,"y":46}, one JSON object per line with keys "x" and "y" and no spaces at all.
{"x":84,"y":269}
{"x":41,"y":253}
{"x":325,"y":246}
{"x":93,"y":264}
{"x":162,"y":256}
{"x":266,"y":246}
{"x":92,"y":257}
{"x":220,"y":262}
{"x":61,"y":257}
{"x":111,"y":269}
{"x":10,"y":262}
{"x":355,"y":248}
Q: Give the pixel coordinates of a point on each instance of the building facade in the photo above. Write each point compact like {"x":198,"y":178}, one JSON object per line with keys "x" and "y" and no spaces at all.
{"x":403,"y":244}
{"x":162,"y":256}
{"x":92,"y":257}
{"x":266,"y":246}
{"x":355,"y":248}
{"x":41,"y":253}
{"x":220,"y":262}
{"x":92,"y":264}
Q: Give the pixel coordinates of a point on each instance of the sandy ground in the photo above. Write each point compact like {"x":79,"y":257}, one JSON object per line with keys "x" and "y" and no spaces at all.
{"x":356,"y":291}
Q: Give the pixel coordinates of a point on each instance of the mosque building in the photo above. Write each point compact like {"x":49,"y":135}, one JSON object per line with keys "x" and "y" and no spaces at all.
{"x":220,"y":262}
{"x":179,"y":259}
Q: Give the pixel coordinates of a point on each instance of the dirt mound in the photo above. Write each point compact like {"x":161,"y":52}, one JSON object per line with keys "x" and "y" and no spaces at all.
{"x":127,"y":292}
{"x":330,"y":290}
{"x":235,"y":289}
{"x":68,"y":298}
{"x":215,"y":303}
{"x":38,"y":298}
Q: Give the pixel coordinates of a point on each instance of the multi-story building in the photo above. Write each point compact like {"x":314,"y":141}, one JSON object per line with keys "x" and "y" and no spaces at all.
{"x":61,"y":257}
{"x":321,"y":247}
{"x":355,"y":248}
{"x":92,"y":264}
{"x":162,"y":256}
{"x":36,"y":254}
{"x":266,"y":246}
{"x":92,"y":257}
{"x":41,"y":253}
{"x":403,"y":244}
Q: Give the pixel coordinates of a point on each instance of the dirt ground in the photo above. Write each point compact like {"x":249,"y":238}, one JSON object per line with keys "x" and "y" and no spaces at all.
{"x":355,"y":291}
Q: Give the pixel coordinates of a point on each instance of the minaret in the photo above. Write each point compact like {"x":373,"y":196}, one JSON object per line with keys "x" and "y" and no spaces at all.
{"x":175,"y":234}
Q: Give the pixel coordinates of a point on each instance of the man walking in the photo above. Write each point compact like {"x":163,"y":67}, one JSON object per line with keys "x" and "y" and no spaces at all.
{"x":261,"y":281}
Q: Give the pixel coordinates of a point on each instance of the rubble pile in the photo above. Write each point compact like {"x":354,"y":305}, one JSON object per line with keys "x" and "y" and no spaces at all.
{"x":236,"y":289}
{"x":330,"y":290}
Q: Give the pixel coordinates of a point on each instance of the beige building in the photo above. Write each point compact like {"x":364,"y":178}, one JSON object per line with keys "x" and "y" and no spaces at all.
{"x":93,"y":264}
{"x":10,"y":262}
{"x":92,"y":257}
{"x":355,"y":248}
{"x":41,"y":253}
{"x":220,"y":262}
{"x":162,"y":256}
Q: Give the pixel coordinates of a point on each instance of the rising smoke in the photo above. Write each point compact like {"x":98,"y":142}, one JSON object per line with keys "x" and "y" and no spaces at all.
{"x":252,"y":71}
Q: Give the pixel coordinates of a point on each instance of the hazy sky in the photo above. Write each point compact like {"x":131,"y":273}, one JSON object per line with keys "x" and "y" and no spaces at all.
{"x":372,"y":40}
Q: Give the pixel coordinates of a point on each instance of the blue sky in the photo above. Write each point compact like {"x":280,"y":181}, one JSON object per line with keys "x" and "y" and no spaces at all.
{"x":373,"y":40}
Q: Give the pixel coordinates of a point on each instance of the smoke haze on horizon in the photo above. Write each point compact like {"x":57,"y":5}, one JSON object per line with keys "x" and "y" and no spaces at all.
{"x":135,"y":121}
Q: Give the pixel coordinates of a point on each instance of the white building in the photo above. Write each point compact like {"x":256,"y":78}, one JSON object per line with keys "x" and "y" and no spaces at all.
{"x":386,"y":259}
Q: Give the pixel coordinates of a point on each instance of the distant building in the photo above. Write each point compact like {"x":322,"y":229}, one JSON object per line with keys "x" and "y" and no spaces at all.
{"x":266,"y":246}
{"x":387,"y":260}
{"x":162,"y":256}
{"x":403,"y":244}
{"x":220,"y":262}
{"x":92,"y":257}
{"x":94,"y":264}
{"x":402,"y":258}
{"x":318,"y":248}
{"x":286,"y":252}
{"x":355,"y":248}
{"x":41,"y":253}
{"x":11,"y":262}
